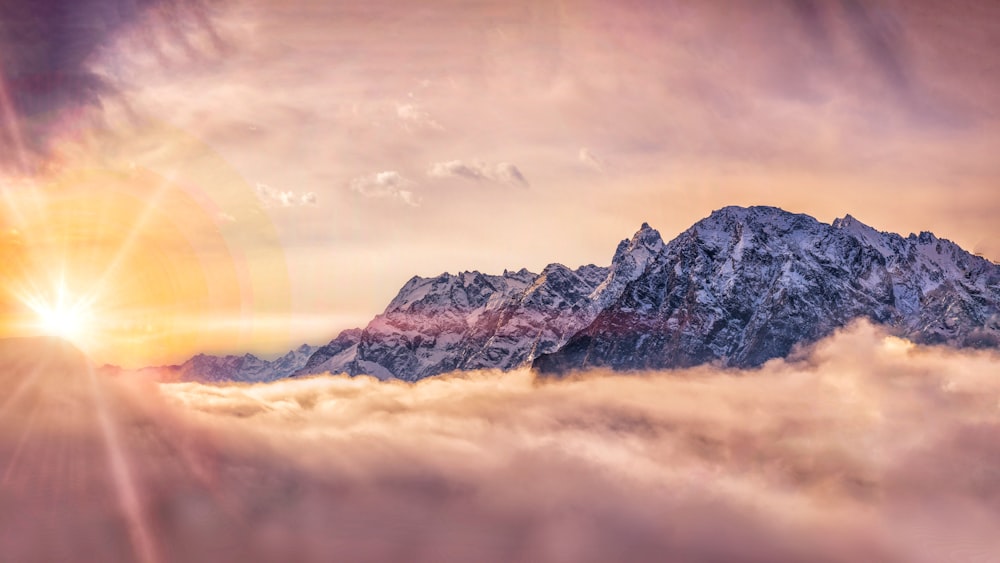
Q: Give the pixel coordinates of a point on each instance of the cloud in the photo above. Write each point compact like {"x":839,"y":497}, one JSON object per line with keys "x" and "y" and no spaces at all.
{"x":413,"y":116}
{"x":507,"y":173}
{"x":500,"y":173}
{"x":386,"y":185}
{"x":281,"y":198}
{"x":47,"y":77}
{"x":878,"y":33}
{"x":862,"y":448}
{"x":591,"y":160}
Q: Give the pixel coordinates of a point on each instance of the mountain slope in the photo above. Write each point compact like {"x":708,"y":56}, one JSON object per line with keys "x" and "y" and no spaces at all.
{"x":738,"y":288}
{"x":748,"y":284}
{"x":467,"y":321}
{"x":477,"y":321}
{"x":246,"y":368}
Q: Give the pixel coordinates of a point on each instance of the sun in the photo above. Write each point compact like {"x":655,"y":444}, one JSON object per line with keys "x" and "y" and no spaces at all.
{"x":63,"y":317}
{"x":69,"y":323}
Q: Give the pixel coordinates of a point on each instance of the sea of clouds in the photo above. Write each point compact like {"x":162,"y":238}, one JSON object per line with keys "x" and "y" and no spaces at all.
{"x":863,"y":447}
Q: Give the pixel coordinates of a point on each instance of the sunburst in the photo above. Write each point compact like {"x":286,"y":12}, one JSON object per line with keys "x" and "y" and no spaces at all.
{"x":126,"y":257}
{"x":63,"y":316}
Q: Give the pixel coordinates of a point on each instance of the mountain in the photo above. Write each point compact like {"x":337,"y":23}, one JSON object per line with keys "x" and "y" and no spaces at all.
{"x":467,"y":321}
{"x":748,"y":284}
{"x":477,"y":321}
{"x":738,"y":288}
{"x":335,"y":355}
{"x":246,"y":368}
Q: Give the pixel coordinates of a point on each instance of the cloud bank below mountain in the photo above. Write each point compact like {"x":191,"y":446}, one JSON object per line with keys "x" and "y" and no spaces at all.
{"x":861,"y":448}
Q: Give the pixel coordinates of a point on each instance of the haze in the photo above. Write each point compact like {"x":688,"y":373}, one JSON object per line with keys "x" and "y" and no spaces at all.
{"x":315,"y":155}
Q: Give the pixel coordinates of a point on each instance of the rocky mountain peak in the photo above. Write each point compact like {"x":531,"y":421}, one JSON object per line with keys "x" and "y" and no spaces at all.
{"x":844,"y":222}
{"x":759,"y":218}
{"x":745,"y":285}
{"x":739,"y":287}
{"x":631,"y":259}
{"x":646,"y":237}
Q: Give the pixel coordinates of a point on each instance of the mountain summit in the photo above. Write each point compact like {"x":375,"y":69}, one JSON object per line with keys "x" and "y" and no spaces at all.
{"x":741,"y":286}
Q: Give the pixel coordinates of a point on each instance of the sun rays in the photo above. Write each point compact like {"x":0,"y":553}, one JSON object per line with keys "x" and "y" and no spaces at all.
{"x":60,"y":429}
{"x":64,"y":316}
{"x":117,"y":262}
{"x":131,"y":264}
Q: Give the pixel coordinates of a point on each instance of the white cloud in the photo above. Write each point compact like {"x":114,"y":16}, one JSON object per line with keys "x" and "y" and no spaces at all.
{"x":507,"y":173}
{"x":413,"y":115}
{"x":500,"y":173}
{"x":386,"y":185}
{"x":592,"y":161}
{"x":283,"y":198}
{"x":861,"y":448}
{"x":456,"y":168}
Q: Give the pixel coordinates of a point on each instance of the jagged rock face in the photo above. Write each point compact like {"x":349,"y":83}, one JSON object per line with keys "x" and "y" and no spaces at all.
{"x":630,"y":261}
{"x":472,"y":320}
{"x":748,"y":284}
{"x":740,"y":287}
{"x":476,"y":321}
{"x":434,"y":324}
{"x":536,"y":320}
{"x":333,"y":357}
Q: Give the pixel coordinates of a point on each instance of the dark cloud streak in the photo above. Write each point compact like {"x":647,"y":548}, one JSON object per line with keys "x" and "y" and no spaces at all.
{"x":47,"y":49}
{"x":882,"y":41}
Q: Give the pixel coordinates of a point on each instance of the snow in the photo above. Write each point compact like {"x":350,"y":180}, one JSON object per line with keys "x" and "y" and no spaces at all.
{"x":375,"y":370}
{"x":744,"y":258}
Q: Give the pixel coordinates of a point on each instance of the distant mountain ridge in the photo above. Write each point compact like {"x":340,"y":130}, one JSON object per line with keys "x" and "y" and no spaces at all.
{"x":738,"y":288}
{"x":243,"y":369}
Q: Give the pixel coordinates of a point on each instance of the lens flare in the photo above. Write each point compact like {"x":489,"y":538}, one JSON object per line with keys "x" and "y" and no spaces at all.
{"x":65,"y":317}
{"x":140,"y":261}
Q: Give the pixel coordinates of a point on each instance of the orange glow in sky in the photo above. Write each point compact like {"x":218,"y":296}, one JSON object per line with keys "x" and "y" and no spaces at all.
{"x":127,"y":265}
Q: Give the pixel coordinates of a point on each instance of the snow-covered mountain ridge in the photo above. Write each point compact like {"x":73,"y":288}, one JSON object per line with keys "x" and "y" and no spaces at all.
{"x":747,"y":284}
{"x":478,"y":321}
{"x":739,"y":287}
{"x":244,"y":369}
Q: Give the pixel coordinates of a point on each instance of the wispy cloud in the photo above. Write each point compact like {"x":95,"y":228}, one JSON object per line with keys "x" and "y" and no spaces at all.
{"x":415,"y":117}
{"x":386,"y":185}
{"x":500,"y":173}
{"x":49,"y":48}
{"x":284,"y":198}
{"x":591,"y":160}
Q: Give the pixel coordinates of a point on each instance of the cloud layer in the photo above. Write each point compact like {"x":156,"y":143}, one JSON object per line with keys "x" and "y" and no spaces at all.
{"x":864,"y":448}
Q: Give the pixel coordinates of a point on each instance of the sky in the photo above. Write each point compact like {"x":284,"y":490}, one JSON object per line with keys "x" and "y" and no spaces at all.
{"x":244,"y":175}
